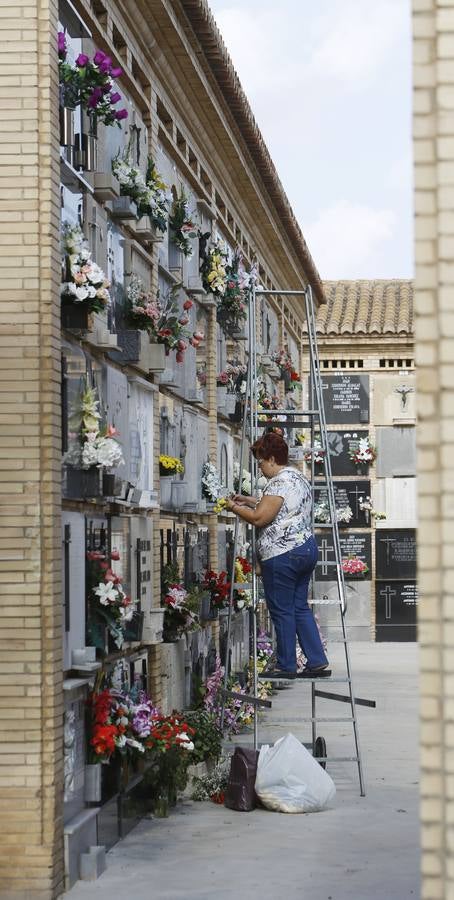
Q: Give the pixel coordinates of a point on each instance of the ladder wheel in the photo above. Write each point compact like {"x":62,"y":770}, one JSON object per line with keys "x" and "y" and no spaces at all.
{"x":320,"y":750}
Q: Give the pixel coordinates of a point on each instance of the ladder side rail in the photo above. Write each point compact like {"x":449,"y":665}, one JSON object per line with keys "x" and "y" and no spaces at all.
{"x":318,"y":389}
{"x":254,"y":479}
{"x":232,"y":574}
{"x":335,"y":529}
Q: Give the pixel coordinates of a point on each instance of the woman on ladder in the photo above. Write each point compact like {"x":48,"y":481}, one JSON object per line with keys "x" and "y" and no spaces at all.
{"x":287,"y":552}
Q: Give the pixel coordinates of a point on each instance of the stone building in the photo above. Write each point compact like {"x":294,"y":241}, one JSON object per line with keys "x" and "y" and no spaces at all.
{"x":68,"y":368}
{"x":365,"y":335}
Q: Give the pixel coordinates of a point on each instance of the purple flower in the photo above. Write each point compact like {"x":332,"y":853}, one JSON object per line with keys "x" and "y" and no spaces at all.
{"x":82,"y":60}
{"x":121,"y":114}
{"x":106,"y":87}
{"x":99,"y":57}
{"x":106,"y":65}
{"x":94,"y":98}
{"x":61,"y":40}
{"x":115,"y":97}
{"x":116,"y":72}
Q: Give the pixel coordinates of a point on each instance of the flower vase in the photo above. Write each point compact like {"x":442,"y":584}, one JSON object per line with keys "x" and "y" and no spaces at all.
{"x":165,"y":489}
{"x":207,"y":611}
{"x":161,"y":806}
{"x":361,"y":468}
{"x":92,"y":783}
{"x":230,"y":404}
{"x":221,"y":397}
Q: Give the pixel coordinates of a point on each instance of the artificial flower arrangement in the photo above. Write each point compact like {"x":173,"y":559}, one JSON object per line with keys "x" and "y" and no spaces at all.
{"x":218,"y":586}
{"x":232,"y":378}
{"x":343,"y":513}
{"x":180,"y":605}
{"x":161,"y":318}
{"x":212,"y":487}
{"x":354,"y":566}
{"x":266,"y":400}
{"x":246,"y":483}
{"x":90,"y":83}
{"x":93,"y":445}
{"x":300,"y":439}
{"x":213,"y":269}
{"x":242,"y":597}
{"x":179,"y":618}
{"x":126,"y":724}
{"x":288,"y":372}
{"x":183,"y":228}
{"x":364,"y":454}
{"x":201,"y":374}
{"x":236,"y":713}
{"x":109,"y":604}
{"x":366,"y":506}
{"x":85,"y":282}
{"x":151,"y":194}
{"x":317,"y":454}
{"x":170,"y":465}
{"x":231,"y":308}
{"x":213,"y":785}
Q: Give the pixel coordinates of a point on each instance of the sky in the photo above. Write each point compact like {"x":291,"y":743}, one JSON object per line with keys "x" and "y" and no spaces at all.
{"x":329,"y":83}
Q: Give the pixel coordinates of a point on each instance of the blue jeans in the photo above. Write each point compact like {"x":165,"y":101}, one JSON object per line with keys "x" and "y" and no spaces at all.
{"x":286,"y":582}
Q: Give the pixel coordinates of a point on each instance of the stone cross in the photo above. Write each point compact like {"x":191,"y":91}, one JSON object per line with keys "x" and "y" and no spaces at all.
{"x":387,"y":541}
{"x":325,"y":548}
{"x":357,"y":492}
{"x":388,"y":594}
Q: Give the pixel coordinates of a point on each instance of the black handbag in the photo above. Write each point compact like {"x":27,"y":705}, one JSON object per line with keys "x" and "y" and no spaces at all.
{"x":240,"y":792}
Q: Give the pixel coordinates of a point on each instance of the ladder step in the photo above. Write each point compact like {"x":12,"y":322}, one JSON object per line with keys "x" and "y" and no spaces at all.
{"x":280,"y":722}
{"x":337,"y":758}
{"x":327,"y":680}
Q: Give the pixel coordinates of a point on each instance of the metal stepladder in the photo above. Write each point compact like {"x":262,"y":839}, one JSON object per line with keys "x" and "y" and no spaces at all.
{"x":315,"y":418}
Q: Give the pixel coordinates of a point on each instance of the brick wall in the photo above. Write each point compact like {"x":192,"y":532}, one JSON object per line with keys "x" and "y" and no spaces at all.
{"x":30,"y":648}
{"x":433,"y":31}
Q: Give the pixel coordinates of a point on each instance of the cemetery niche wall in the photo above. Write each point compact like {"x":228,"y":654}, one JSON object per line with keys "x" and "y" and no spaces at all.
{"x":396,"y":587}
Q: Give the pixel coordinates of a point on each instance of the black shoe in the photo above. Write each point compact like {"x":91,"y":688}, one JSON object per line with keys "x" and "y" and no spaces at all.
{"x":318,"y":672}
{"x":276,"y":673}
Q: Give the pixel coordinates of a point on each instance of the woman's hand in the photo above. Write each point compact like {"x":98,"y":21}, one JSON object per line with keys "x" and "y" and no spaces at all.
{"x":265,"y":512}
{"x":244,"y":500}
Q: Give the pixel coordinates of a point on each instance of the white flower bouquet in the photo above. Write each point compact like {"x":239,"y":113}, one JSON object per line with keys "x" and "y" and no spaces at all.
{"x":85,"y":281}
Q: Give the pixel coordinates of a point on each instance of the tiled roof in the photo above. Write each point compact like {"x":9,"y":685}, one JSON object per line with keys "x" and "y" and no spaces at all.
{"x":366,"y":307}
{"x":203,"y":23}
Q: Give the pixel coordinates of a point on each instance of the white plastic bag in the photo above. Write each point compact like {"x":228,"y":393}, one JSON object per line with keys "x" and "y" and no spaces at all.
{"x":290,"y":780}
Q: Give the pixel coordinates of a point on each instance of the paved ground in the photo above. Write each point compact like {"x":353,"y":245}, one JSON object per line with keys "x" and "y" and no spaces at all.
{"x":362,"y":849}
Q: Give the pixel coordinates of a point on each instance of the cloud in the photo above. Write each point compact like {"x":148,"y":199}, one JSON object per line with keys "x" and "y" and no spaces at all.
{"x":291,"y":43}
{"x":348,"y":241}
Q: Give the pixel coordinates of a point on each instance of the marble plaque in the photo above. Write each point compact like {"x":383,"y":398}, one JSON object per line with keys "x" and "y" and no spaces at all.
{"x":395,"y":554}
{"x":346,"y":398}
{"x":397,"y":497}
{"x":340,"y":444}
{"x":141,"y":563}
{"x":115,"y":274}
{"x":352,"y":544}
{"x":140,"y":412}
{"x":358,"y":600}
{"x":347,"y":493}
{"x":396,"y":610}
{"x":73,"y":583}
{"x":396,"y":451}
{"x":117,"y":413}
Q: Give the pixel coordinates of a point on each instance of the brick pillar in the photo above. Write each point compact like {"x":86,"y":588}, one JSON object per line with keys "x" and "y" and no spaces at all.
{"x":433,"y":126}
{"x":31,"y":758}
